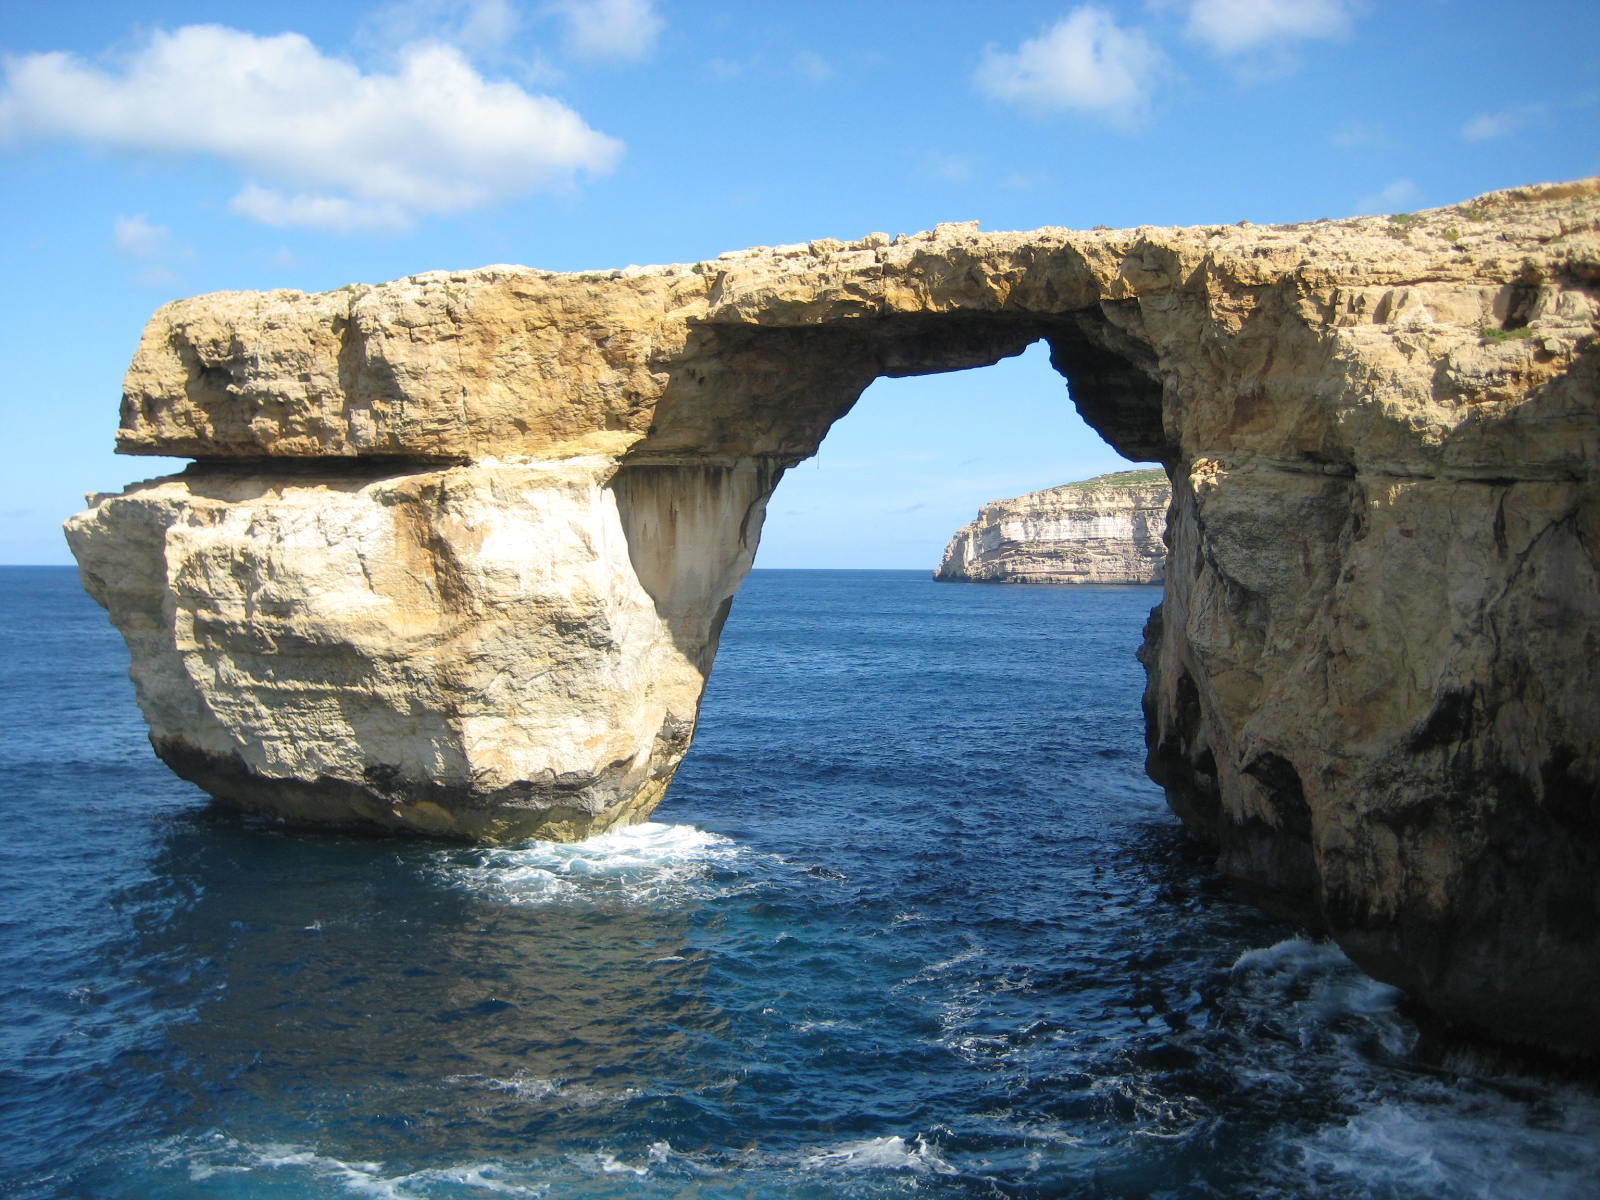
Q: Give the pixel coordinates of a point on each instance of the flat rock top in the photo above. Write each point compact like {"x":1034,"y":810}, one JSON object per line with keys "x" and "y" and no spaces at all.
{"x":1142,"y":480}
{"x":1482,"y":230}
{"x":515,"y":361}
{"x":1119,"y":490}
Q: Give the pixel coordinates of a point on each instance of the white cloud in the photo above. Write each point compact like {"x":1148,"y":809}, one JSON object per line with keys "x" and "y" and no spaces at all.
{"x":1235,"y":27}
{"x":1539,"y":114}
{"x":486,"y":31}
{"x":136,"y":237}
{"x":609,"y":30}
{"x":1400,"y":195}
{"x":312,"y":211}
{"x":358,"y":150}
{"x":1084,"y":62}
{"x":151,"y":249}
{"x":481,"y":27}
{"x":1493,"y":125}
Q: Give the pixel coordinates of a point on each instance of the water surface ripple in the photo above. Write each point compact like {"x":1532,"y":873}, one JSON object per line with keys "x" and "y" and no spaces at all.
{"x":912,"y":922}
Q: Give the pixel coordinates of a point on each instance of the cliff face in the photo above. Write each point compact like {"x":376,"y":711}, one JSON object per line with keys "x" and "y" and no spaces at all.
{"x":455,"y":551}
{"x":466,"y":650}
{"x":1102,"y":530}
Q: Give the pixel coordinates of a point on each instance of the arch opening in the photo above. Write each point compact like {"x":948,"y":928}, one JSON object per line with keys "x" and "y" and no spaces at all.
{"x":747,"y":404}
{"x":694,"y":523}
{"x":775,"y":390}
{"x":917,"y":456}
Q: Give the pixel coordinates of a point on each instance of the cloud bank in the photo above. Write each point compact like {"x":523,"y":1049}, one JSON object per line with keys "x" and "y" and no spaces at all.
{"x":323,"y":144}
{"x":1085,"y":62}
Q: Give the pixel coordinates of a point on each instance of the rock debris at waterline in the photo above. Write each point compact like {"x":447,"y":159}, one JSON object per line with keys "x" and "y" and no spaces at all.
{"x":455,"y":550}
{"x":1108,"y":529}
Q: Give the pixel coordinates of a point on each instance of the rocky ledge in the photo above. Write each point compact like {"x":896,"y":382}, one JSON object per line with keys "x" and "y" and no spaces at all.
{"x":1108,"y":529}
{"x":455,"y":550}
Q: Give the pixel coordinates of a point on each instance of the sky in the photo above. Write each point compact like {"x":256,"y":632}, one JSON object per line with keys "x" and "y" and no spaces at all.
{"x":157,"y":150}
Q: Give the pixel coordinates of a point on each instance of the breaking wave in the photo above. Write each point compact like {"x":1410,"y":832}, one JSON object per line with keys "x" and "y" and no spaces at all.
{"x":643,"y":864}
{"x":1473,"y":1143}
{"x":892,"y":1153}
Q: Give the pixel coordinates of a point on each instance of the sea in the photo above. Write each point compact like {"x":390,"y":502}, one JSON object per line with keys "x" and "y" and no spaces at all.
{"x":911,"y":922}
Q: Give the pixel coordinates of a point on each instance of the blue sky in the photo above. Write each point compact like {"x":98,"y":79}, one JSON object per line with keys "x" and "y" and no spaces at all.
{"x":157,"y":150}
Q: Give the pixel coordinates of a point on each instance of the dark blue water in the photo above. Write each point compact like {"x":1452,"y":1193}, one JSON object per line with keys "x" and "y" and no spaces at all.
{"x":912,"y":921}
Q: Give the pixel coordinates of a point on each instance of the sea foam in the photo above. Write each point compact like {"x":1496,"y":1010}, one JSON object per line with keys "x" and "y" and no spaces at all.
{"x":650,"y":862}
{"x":306,"y":1169}
{"x":1466,"y":1142}
{"x":1315,"y":988}
{"x":891,"y":1153}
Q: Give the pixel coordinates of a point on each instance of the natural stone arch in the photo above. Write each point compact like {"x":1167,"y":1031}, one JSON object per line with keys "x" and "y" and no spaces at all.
{"x":763,"y":399}
{"x":456,"y":549}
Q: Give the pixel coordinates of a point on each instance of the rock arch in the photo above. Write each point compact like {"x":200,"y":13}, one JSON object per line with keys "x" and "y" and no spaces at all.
{"x":455,"y":550}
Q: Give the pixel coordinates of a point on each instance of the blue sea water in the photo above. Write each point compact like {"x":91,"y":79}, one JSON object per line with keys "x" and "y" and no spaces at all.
{"x":911,"y":922}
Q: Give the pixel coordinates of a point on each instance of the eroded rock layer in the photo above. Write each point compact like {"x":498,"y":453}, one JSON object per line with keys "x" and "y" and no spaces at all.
{"x":1102,"y":530}
{"x":456,"y":549}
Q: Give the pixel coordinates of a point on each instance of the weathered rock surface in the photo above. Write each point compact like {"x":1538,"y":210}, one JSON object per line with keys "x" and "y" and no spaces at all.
{"x":457,"y":549}
{"x":1102,"y":530}
{"x":465,"y":650}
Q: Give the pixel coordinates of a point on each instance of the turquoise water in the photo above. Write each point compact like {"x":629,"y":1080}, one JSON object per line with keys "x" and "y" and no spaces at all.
{"x":912,"y":922}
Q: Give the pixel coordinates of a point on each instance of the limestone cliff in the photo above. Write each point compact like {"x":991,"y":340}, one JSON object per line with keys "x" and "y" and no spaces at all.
{"x":455,"y":550}
{"x":1102,"y":530}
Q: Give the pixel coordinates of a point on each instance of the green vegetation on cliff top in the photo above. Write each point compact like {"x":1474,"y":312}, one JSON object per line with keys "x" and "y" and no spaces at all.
{"x":1117,"y":479}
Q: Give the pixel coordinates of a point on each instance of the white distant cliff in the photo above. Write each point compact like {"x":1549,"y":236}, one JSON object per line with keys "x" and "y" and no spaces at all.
{"x":1108,"y":529}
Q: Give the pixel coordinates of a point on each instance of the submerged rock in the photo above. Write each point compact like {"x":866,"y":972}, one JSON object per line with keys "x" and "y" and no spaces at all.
{"x":1102,"y":530}
{"x":456,"y":550}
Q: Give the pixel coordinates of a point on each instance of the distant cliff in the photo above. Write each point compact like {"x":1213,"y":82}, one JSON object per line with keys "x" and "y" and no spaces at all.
{"x":1102,"y":530}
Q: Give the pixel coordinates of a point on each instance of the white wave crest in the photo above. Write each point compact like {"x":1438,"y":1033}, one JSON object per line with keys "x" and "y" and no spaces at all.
{"x":300,"y":1165}
{"x":1319,"y":984}
{"x":526,"y":1086}
{"x":640,"y":863}
{"x":1481,"y":1146}
{"x":883,"y":1154}
{"x":603,"y":1162}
